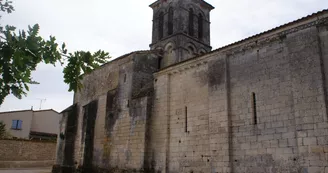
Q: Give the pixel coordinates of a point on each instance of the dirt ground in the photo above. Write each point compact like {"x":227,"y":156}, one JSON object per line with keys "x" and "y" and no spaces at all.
{"x":32,"y":170}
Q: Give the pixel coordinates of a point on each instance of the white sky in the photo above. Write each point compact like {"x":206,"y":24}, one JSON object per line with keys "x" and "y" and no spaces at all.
{"x":123,"y":26}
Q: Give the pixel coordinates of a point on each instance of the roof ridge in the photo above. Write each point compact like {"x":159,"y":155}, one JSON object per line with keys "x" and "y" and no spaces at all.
{"x":253,"y":36}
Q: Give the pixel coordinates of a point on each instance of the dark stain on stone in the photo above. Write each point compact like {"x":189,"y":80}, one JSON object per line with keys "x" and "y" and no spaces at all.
{"x":63,"y":169}
{"x":70,"y":134}
{"x":266,"y":163}
{"x":201,"y":77}
{"x":89,"y":121}
{"x":112,"y":111}
{"x":136,"y":108}
{"x":96,"y":169}
{"x":149,"y":157}
{"x":216,"y":71}
{"x":142,"y":79}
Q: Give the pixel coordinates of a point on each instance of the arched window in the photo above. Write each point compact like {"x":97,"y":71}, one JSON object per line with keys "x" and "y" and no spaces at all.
{"x":160,"y":25}
{"x":200,"y":26}
{"x":160,"y":62}
{"x":191,"y":50}
{"x":170,"y":22}
{"x":191,"y":22}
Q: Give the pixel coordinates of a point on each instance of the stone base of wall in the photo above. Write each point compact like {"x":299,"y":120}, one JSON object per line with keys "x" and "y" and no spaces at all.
{"x":81,"y":169}
{"x":26,"y":164}
{"x":63,"y":169}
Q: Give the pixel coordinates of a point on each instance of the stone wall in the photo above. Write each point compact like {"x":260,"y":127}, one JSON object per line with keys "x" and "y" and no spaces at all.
{"x":259,"y":105}
{"x":259,"y":108}
{"x":23,"y":153}
{"x":122,"y":90}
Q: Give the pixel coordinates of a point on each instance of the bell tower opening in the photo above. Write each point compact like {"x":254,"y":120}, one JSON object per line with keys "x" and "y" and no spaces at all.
{"x":170,"y":21}
{"x":177,"y":24}
{"x":200,"y":26}
{"x":160,"y":25}
{"x":191,"y":22}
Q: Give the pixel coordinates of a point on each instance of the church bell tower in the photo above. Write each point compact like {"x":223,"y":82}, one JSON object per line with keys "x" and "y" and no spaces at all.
{"x":181,"y":29}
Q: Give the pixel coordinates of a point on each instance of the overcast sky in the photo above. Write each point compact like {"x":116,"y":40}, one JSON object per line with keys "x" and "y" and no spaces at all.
{"x":123,"y":26}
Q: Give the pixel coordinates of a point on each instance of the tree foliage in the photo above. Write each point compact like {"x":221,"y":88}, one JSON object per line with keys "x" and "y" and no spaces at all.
{"x":21,"y":51}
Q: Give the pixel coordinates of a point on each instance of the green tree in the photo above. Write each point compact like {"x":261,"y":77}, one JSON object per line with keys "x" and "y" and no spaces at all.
{"x":21,"y":51}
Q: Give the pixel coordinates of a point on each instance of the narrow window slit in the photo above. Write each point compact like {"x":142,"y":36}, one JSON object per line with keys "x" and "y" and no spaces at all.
{"x":254,"y":108}
{"x":186,"y":119}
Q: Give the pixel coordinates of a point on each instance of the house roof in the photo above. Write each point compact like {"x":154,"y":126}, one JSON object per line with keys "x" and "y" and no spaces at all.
{"x":16,"y":111}
{"x":46,"y":110}
{"x":27,"y":110}
{"x":281,"y":27}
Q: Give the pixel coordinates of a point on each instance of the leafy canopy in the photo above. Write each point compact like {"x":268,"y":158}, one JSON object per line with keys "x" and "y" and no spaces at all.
{"x":21,"y":51}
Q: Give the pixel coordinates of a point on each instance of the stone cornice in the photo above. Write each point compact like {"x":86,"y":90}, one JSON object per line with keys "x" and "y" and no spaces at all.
{"x":179,"y":34}
{"x":185,"y":65}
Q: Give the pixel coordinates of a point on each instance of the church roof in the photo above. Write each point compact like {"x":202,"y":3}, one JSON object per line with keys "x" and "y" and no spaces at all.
{"x":206,"y":3}
{"x":128,"y":54}
{"x":276,"y":30}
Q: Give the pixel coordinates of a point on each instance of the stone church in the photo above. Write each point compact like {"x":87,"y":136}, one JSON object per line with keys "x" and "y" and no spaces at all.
{"x":258,"y":105}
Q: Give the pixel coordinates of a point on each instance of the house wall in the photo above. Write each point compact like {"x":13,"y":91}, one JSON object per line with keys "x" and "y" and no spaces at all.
{"x":25,"y":116}
{"x":46,"y":121}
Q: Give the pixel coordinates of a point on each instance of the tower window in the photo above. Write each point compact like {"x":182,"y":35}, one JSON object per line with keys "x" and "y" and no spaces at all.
{"x":191,"y":22}
{"x":160,"y":25}
{"x":170,"y":22}
{"x":200,"y":26}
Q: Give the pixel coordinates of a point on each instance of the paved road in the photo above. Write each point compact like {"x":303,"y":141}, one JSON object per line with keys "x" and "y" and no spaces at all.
{"x":37,"y":170}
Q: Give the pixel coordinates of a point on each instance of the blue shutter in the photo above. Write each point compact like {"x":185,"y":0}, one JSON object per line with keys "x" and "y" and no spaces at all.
{"x":19,"y":124}
{"x":14,"y":124}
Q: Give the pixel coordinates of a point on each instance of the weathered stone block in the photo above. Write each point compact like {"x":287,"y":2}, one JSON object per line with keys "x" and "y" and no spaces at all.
{"x":310,"y":141}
